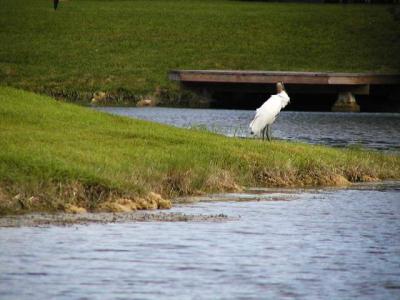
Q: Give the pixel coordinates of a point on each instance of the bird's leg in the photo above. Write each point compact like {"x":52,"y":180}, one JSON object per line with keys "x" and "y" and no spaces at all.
{"x":263,"y":133}
{"x":269,"y":132}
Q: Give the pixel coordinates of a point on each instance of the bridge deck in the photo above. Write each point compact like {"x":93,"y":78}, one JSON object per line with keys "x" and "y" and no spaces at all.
{"x":270,"y":77}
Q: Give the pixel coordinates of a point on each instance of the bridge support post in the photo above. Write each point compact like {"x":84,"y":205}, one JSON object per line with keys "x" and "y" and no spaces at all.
{"x":206,"y":93}
{"x":394,"y":100}
{"x":346,"y":102}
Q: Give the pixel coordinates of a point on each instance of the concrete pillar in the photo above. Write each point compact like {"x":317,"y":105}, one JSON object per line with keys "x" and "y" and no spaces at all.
{"x":206,"y":93}
{"x":346,"y":102}
{"x":394,"y":100}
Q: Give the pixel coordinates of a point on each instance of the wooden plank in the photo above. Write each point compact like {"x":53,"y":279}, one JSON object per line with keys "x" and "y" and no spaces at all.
{"x":270,"y":77}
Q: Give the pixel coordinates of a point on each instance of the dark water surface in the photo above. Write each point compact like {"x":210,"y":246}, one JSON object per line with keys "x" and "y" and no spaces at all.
{"x":289,"y":244}
{"x":371,"y":130}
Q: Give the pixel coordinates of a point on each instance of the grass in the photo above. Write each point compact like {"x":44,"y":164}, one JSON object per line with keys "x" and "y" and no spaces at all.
{"x":54,"y":154}
{"x":126,"y":48}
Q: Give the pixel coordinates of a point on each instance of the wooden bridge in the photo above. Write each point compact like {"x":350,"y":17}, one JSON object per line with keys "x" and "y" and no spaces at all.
{"x":345,"y":85}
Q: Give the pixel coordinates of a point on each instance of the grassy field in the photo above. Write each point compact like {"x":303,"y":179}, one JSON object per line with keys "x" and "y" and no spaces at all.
{"x":54,"y":155}
{"x":125,"y":48}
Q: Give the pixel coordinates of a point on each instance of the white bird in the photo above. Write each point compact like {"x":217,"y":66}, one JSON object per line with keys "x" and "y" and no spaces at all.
{"x":267,"y":113}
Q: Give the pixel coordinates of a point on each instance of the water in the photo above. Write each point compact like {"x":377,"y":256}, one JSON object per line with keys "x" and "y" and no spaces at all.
{"x":315,"y":244}
{"x":372,"y":130}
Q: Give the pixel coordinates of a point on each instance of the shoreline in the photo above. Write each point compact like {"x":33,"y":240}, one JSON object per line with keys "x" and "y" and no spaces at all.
{"x":39,"y":219}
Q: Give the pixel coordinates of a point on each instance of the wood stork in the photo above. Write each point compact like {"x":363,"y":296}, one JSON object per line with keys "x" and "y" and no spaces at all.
{"x":267,"y":113}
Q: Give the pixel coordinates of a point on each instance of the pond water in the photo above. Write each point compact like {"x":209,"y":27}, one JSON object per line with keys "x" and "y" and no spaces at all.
{"x":372,"y":130}
{"x":310,"y":244}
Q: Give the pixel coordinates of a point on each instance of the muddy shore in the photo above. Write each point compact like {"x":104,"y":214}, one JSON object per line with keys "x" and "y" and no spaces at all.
{"x":68,"y":219}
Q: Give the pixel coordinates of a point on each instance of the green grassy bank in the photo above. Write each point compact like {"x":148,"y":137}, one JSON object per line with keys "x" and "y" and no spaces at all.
{"x":54,"y":155}
{"x":125,"y":48}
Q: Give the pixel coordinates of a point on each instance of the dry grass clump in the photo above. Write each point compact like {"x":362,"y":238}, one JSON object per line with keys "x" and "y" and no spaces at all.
{"x":152,"y":201}
{"x":73,"y":209}
{"x":299,"y":178}
{"x":3,"y":196}
{"x":222,"y":180}
{"x":177,"y":183}
{"x":359,"y":174}
{"x":76,"y":198}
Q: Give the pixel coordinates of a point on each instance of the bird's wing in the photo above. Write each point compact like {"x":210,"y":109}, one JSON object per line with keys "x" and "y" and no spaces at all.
{"x":284,"y":98}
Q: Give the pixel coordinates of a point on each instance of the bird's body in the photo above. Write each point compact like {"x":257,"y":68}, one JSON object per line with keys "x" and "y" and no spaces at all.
{"x":267,"y":113}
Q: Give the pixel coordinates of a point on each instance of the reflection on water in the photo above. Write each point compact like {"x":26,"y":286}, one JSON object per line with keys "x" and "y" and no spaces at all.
{"x":372,"y":130}
{"x":327,"y":244}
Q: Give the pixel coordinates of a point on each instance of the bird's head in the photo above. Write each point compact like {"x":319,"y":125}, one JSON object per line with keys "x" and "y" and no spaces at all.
{"x":279,"y":87}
